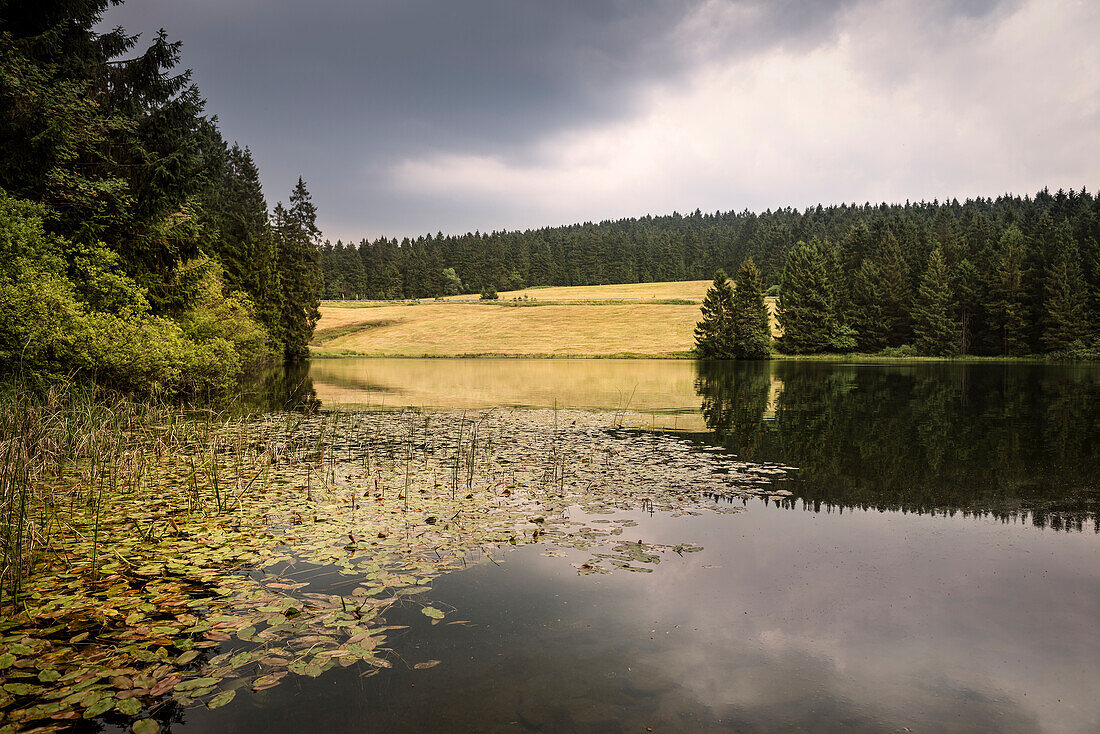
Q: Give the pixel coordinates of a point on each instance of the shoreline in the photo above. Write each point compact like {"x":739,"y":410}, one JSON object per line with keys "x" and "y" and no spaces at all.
{"x":851,"y":357}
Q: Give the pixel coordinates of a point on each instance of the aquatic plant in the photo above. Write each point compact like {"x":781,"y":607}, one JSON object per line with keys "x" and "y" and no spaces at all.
{"x":157,"y":557}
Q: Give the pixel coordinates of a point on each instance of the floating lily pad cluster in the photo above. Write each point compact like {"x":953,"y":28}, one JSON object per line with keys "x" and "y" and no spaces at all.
{"x":200,"y":579}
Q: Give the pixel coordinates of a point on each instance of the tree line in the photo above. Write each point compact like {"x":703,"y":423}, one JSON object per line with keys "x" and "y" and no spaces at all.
{"x":1014,"y":294}
{"x":136,"y":245}
{"x":1013,"y":274}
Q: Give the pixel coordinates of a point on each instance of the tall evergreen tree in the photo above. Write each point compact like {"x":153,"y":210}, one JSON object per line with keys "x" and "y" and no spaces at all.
{"x":245,"y":244}
{"x":112,"y":147}
{"x":750,"y":321}
{"x":1009,"y":302}
{"x":969,"y":309}
{"x":714,"y":334}
{"x":299,"y":266}
{"x":1066,"y":303}
{"x":806,"y":312}
{"x":936,"y":332}
{"x":895,"y":289}
{"x":871,"y":329}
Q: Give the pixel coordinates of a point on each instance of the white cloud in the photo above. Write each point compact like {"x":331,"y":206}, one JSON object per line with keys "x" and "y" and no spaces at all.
{"x":897,"y":104}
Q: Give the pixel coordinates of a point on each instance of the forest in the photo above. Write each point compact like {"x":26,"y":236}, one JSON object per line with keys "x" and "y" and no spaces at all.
{"x":136,"y":246}
{"x":1007,"y":276}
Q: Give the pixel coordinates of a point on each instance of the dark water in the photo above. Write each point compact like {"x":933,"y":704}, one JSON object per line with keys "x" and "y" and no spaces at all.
{"x":938,"y":569}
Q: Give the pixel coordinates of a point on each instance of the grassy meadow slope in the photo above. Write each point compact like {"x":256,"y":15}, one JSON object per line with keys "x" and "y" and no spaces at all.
{"x":588,"y":321}
{"x":686,"y":289}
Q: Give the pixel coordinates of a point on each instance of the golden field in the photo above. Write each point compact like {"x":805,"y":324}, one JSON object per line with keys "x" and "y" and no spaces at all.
{"x":605,"y":321}
{"x":686,"y":289}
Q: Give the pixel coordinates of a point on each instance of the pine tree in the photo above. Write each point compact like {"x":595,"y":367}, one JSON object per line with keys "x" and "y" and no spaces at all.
{"x":1066,"y":303}
{"x":806,"y":312}
{"x":300,"y":269}
{"x":895,"y":289}
{"x":968,"y":303}
{"x":933,"y":326}
{"x":1009,"y":304}
{"x":751,"y":323}
{"x":245,"y":244}
{"x":871,"y":329}
{"x":714,"y":336}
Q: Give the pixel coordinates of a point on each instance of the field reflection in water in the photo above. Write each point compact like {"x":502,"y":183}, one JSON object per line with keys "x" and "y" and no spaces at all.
{"x":936,"y":568}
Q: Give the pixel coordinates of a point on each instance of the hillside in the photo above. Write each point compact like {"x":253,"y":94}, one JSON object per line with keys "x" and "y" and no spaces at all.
{"x":588,"y":321}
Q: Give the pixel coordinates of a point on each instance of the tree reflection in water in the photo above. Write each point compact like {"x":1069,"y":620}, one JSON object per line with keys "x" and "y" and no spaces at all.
{"x":1018,"y":442}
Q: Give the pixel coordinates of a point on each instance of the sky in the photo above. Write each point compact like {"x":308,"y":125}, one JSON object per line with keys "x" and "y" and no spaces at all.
{"x":413,"y":116}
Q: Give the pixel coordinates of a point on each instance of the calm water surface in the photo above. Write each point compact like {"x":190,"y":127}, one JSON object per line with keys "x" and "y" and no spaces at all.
{"x":936,"y":569}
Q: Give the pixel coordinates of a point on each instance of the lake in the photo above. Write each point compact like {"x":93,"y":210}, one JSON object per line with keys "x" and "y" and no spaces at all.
{"x":921,"y":552}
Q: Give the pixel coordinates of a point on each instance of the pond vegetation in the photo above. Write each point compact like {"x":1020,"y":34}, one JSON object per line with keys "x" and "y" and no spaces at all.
{"x":152,"y":555}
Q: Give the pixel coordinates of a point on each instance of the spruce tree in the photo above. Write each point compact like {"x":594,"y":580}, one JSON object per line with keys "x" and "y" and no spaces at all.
{"x":1008,"y":305}
{"x":714,"y":335}
{"x":806,"y":312}
{"x":1066,"y":302}
{"x":895,"y":289}
{"x":300,"y":269}
{"x":752,"y":331}
{"x":245,"y":243}
{"x":936,"y":331}
{"x":968,"y":303}
{"x":871,"y":329}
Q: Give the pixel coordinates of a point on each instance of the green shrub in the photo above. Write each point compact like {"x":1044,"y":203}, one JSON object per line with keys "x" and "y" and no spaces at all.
{"x":905,"y":350}
{"x":71,"y":309}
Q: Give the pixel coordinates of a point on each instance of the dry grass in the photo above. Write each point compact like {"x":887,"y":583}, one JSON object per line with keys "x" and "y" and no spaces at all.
{"x":450,"y":329}
{"x":599,"y":327}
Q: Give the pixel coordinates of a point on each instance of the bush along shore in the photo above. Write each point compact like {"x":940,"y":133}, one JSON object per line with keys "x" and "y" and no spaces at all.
{"x":156,"y":559}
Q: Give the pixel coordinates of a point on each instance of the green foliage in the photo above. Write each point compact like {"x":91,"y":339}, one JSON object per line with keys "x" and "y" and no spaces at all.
{"x":896,"y":296}
{"x":893,"y":242}
{"x":905,"y":350}
{"x":111,"y":147}
{"x":937,"y":333}
{"x":866,"y":314}
{"x":300,"y":271}
{"x":714,"y":334}
{"x":148,"y":261}
{"x":245,"y":244}
{"x":1066,"y":301}
{"x":452,"y":284}
{"x":969,"y":310}
{"x":98,"y":324}
{"x":806,"y":310}
{"x":489,"y":293}
{"x":749,"y":319}
{"x":1008,"y":307}
{"x":38,"y":302}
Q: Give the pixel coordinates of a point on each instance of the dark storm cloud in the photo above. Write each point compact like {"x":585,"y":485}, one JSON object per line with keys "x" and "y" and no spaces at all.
{"x":338,"y":90}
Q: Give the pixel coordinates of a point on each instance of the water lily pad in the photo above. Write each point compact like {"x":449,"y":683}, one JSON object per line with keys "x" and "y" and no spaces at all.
{"x":146,"y":726}
{"x":221,"y":699}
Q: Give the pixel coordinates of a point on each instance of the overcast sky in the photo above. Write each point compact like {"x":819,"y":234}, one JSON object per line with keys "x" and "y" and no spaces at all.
{"x":410,"y":116}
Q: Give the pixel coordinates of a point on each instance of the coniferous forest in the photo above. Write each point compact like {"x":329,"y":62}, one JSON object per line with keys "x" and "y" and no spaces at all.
{"x":1006,"y":276}
{"x":136,"y":245}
